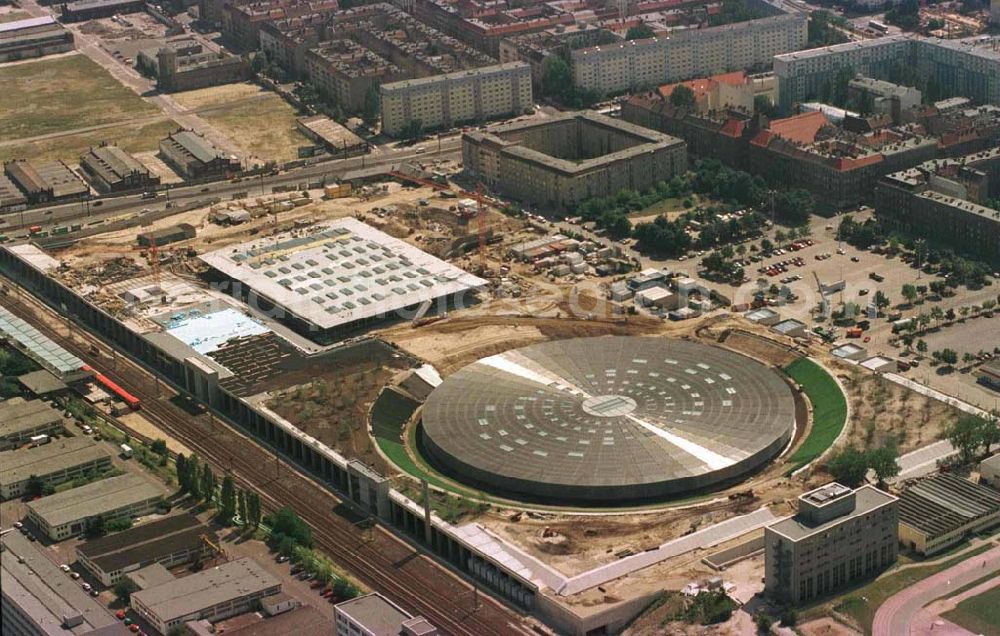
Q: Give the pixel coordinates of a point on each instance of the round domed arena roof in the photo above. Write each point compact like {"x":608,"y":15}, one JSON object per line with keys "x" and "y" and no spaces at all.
{"x":606,"y":421}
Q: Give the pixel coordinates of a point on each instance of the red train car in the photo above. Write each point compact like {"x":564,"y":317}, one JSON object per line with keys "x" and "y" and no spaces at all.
{"x":134,"y":403}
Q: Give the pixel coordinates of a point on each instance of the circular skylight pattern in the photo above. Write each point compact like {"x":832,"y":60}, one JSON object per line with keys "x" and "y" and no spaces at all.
{"x":607,"y":421}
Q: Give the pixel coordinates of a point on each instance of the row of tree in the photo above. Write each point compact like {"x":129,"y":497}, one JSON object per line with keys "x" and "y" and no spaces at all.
{"x":198,"y":480}
{"x":973,"y":436}
{"x":850,"y":465}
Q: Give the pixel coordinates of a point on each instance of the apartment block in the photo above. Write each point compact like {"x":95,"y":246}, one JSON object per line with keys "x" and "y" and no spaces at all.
{"x":242,"y":21}
{"x":837,"y":537}
{"x":465,"y":96}
{"x":346,"y":71}
{"x":637,"y":64}
{"x":968,"y":67}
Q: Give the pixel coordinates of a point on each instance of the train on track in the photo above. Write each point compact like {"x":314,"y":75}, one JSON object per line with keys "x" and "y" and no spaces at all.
{"x":133,"y":402}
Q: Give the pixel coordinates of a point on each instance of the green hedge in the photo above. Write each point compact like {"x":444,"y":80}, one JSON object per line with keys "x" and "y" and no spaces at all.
{"x":829,"y":410}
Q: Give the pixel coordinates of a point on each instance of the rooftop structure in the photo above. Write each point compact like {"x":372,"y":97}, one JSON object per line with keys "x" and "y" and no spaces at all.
{"x":941,"y":510}
{"x":21,"y":420}
{"x":169,"y":541}
{"x":194,"y":156}
{"x":213,"y":594}
{"x":67,"y":513}
{"x":112,"y":169}
{"x":571,"y":156}
{"x":348,"y":70}
{"x":736,"y":89}
{"x":41,"y":383}
{"x":607,"y":420}
{"x":40,"y":348}
{"x":244,"y":20}
{"x":301,"y":620}
{"x":38,"y":598}
{"x":53,"y":463}
{"x":340,"y":275}
{"x":11,"y":199}
{"x":45,"y":181}
{"x":33,"y":37}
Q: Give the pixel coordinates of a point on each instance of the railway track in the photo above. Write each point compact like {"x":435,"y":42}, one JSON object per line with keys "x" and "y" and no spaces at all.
{"x":378,"y":559}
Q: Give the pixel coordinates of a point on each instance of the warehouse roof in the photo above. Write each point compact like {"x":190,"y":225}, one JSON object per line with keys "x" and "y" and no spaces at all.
{"x":9,"y":194}
{"x":376,"y":613}
{"x":19,"y":416}
{"x":799,"y":526}
{"x":338,"y":273}
{"x":195,"y":145}
{"x":191,"y":594}
{"x":36,"y":584}
{"x":38,"y":346}
{"x":96,"y":498}
{"x":28,"y":23}
{"x":112,"y":163}
{"x":145,"y":543}
{"x":305,"y":619}
{"x":35,"y":176}
{"x":61,"y":454}
{"x":943,"y":503}
{"x":41,"y":382}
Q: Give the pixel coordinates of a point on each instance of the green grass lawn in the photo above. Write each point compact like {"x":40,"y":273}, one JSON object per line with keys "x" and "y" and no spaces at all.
{"x":66,"y":93}
{"x":829,"y":410}
{"x":669,"y":207}
{"x":862,"y":603}
{"x":979,"y":614}
{"x":142,"y":137}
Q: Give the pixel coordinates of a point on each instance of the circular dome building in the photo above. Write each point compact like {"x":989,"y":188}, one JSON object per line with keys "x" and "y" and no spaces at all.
{"x":607,"y":421}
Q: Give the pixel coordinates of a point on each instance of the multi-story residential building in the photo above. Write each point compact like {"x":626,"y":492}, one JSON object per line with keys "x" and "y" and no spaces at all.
{"x":837,"y":537}
{"x":111,"y":169}
{"x":968,"y":67}
{"x":536,"y":48}
{"x":727,"y":90}
{"x":347,"y":71}
{"x":637,"y":64}
{"x":944,"y":200}
{"x":68,"y":513}
{"x":571,"y":157}
{"x":242,"y":21}
{"x":885,"y":97}
{"x":464,"y":96}
{"x":33,"y":37}
{"x":53,"y":463}
{"x":193,"y":70}
{"x":286,"y":42}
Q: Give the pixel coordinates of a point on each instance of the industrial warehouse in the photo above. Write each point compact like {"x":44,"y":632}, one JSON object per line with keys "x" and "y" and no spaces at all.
{"x":332,"y":278}
{"x":53,"y":463}
{"x":607,"y":421}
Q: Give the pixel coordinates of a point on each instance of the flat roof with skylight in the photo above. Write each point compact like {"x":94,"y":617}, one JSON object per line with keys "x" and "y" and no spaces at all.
{"x":334,"y":275}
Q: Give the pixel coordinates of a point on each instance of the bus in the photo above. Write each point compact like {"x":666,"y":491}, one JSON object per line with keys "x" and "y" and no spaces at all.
{"x":875,"y":25}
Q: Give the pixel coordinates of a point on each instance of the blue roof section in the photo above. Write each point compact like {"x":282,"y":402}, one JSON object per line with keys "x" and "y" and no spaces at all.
{"x":38,"y":346}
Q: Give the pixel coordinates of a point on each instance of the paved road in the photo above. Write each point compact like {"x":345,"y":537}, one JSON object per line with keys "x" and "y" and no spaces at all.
{"x":896,"y":615}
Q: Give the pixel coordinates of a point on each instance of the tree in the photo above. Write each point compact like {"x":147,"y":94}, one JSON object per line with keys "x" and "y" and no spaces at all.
{"x":557,"y":78}
{"x":848,"y":466}
{"x":966,"y":435}
{"x":882,"y":460}
{"x":789,"y":617}
{"x":780,"y":237}
{"x":641,"y":31}
{"x":763,"y":622}
{"x":937,"y":314}
{"x":34,"y":487}
{"x":922,"y":345}
{"x":909,"y":292}
{"x":949,"y":356}
{"x":241,"y":507}
{"x":194,"y":477}
{"x":123,"y":589}
{"x":881,"y":300}
{"x":95,"y":527}
{"x":766,"y":246}
{"x":253,"y":509}
{"x":118,"y":524}
{"x":227,"y":500}
{"x":207,"y":483}
{"x":370,"y":112}
{"x":682,"y":97}
{"x":182,"y":474}
{"x":762,"y":104}
{"x":286,"y":522}
{"x":412,"y":130}
{"x":159,"y":447}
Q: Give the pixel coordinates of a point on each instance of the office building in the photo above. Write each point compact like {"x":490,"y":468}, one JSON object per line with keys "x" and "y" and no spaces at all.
{"x":442,"y":101}
{"x":375,"y":615}
{"x":169,"y":542}
{"x":46,"y":181}
{"x":56,"y":462}
{"x":197,"y":69}
{"x":946,"y":199}
{"x":39,"y":599}
{"x":195,"y":157}
{"x":837,"y":537}
{"x":69,"y":513}
{"x":111,"y":169}
{"x":636,"y":64}
{"x":938,"y":512}
{"x":570,"y":157}
{"x":33,"y":37}
{"x":20,"y":420}
{"x":213,"y":595}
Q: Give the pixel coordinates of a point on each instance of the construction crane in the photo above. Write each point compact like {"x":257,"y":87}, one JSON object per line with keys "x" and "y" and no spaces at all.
{"x":218,"y":552}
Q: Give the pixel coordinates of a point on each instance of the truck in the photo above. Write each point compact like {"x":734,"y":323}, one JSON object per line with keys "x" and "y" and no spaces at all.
{"x":854,"y":332}
{"x":38,"y":440}
{"x":878,"y":278}
{"x":126,"y":451}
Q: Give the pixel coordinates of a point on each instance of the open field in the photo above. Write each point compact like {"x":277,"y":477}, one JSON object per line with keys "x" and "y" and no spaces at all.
{"x":131,"y":137}
{"x":10,"y":14}
{"x":260,"y":122}
{"x":61,"y":94}
{"x":829,"y":410}
{"x":979,"y":614}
